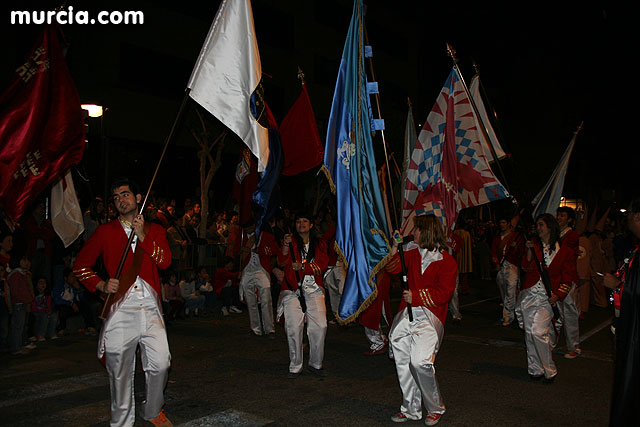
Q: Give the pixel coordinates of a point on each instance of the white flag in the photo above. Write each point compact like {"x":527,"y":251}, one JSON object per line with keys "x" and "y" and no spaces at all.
{"x":66,"y":215}
{"x":227,"y":73}
{"x":548,"y":199}
{"x":477,"y":99}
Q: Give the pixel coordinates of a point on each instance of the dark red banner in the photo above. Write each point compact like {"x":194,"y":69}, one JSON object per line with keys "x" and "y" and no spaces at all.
{"x":41,"y":126}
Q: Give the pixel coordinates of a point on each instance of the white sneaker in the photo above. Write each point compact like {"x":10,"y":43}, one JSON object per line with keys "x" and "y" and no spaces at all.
{"x":235,"y":309}
{"x":30,"y":346}
{"x":225,"y":312}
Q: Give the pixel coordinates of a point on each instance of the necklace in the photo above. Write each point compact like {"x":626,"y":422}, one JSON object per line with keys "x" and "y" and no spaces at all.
{"x":125,"y":222}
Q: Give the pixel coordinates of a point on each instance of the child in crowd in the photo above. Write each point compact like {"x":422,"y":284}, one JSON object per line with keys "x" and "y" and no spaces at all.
{"x":21,"y":292}
{"x":225,"y":284}
{"x":173,"y":297}
{"x":193,"y":300}
{"x":70,"y":300}
{"x":45,"y":317}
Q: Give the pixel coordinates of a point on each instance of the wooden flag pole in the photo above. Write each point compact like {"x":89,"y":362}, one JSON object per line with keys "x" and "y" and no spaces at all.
{"x":452,"y":53}
{"x":109,"y":300}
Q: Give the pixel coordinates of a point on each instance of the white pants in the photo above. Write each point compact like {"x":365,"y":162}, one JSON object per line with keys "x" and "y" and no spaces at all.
{"x":535,"y":315}
{"x":508,"y":279}
{"x":415,"y":346}
{"x":334,"y":284}
{"x":136,"y":322}
{"x":256,"y":280}
{"x":294,"y":318}
{"x":569,"y":318}
{"x":375,"y":338}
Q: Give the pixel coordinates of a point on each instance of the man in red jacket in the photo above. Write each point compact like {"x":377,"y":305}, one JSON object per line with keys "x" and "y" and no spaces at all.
{"x":136,"y":318}
{"x":507,"y":249}
{"x":569,"y":313}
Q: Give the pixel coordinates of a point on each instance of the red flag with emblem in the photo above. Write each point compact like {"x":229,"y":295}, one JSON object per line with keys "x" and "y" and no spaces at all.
{"x":41,"y":126}
{"x":448,"y":170}
{"x":300,"y":139}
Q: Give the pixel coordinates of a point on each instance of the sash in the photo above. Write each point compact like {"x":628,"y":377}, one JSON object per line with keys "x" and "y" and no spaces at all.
{"x":127,"y":279}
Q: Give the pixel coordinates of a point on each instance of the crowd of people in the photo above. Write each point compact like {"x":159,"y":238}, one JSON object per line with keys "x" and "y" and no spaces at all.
{"x":548,"y":273}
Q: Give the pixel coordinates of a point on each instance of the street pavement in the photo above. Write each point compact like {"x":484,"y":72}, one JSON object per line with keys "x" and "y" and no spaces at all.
{"x":222,"y":375}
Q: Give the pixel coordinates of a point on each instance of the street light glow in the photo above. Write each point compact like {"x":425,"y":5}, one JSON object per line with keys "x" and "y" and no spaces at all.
{"x":93,"y":110}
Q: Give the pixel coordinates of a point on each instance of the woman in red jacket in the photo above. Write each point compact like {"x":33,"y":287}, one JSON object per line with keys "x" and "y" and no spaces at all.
{"x":534,"y":307}
{"x":431,"y":273}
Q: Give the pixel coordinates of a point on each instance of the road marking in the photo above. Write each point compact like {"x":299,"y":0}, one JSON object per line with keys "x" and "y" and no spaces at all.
{"x":52,"y":388}
{"x":230,"y":418}
{"x":597,"y":329}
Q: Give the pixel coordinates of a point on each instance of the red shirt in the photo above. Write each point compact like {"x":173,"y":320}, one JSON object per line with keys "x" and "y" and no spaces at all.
{"x":267,"y":248}
{"x":109,"y":241}
{"x":221,"y":277}
{"x":432,"y":289}
{"x":316,"y":267}
{"x":561,"y":271}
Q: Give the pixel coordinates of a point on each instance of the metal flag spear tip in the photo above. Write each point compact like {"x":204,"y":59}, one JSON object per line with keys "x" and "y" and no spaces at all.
{"x":301,"y":74}
{"x":452,"y":53}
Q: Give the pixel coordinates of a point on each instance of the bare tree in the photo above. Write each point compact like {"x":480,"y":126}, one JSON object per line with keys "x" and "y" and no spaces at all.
{"x":209,"y":165}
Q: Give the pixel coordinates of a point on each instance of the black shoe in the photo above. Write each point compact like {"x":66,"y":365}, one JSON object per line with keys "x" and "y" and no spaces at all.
{"x":317,"y":372}
{"x":293,"y":375}
{"x":271,"y":335}
{"x":536,"y":377}
{"x":549,"y":381}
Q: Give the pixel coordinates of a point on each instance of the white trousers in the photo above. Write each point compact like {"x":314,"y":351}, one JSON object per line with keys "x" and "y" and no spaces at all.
{"x":136,"y":323}
{"x":258,"y":281}
{"x":334,"y":284}
{"x":375,"y":338}
{"x":415,"y":346}
{"x":569,"y":319}
{"x":508,"y":279}
{"x":535,"y":315}
{"x":294,"y":318}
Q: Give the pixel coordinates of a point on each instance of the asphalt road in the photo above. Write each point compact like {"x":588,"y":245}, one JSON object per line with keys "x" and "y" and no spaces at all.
{"x":221,"y":375}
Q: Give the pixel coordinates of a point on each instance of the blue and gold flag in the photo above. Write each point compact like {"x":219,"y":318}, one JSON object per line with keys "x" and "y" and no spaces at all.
{"x":349,"y":162}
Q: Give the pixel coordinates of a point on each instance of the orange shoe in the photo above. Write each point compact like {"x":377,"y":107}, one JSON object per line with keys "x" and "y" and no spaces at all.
{"x":161,"y":420}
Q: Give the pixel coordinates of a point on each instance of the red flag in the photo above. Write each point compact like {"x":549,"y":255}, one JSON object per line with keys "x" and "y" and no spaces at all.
{"x":41,"y":126}
{"x":245,"y":184}
{"x":301,"y":143}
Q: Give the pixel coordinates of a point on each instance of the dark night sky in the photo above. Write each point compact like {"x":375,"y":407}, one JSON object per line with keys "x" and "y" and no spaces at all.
{"x":545,"y":69}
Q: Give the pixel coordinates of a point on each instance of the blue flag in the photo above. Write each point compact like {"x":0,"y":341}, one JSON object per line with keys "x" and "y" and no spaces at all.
{"x":267,"y":195}
{"x":349,"y":162}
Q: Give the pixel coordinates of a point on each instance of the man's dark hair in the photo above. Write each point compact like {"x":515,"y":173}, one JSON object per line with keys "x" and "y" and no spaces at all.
{"x":121,"y":182}
{"x":571,"y":213}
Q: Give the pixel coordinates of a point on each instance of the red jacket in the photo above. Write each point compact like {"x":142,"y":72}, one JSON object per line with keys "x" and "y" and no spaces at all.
{"x":561,"y":271}
{"x":109,"y":241}
{"x":508,"y":249}
{"x":316,"y":267}
{"x":221,"y":277}
{"x":572,"y":240}
{"x":432,"y":289}
{"x":267,"y":248}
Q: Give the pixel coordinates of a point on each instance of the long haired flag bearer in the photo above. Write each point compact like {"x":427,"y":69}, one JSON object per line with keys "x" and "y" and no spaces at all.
{"x":349,"y":162}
